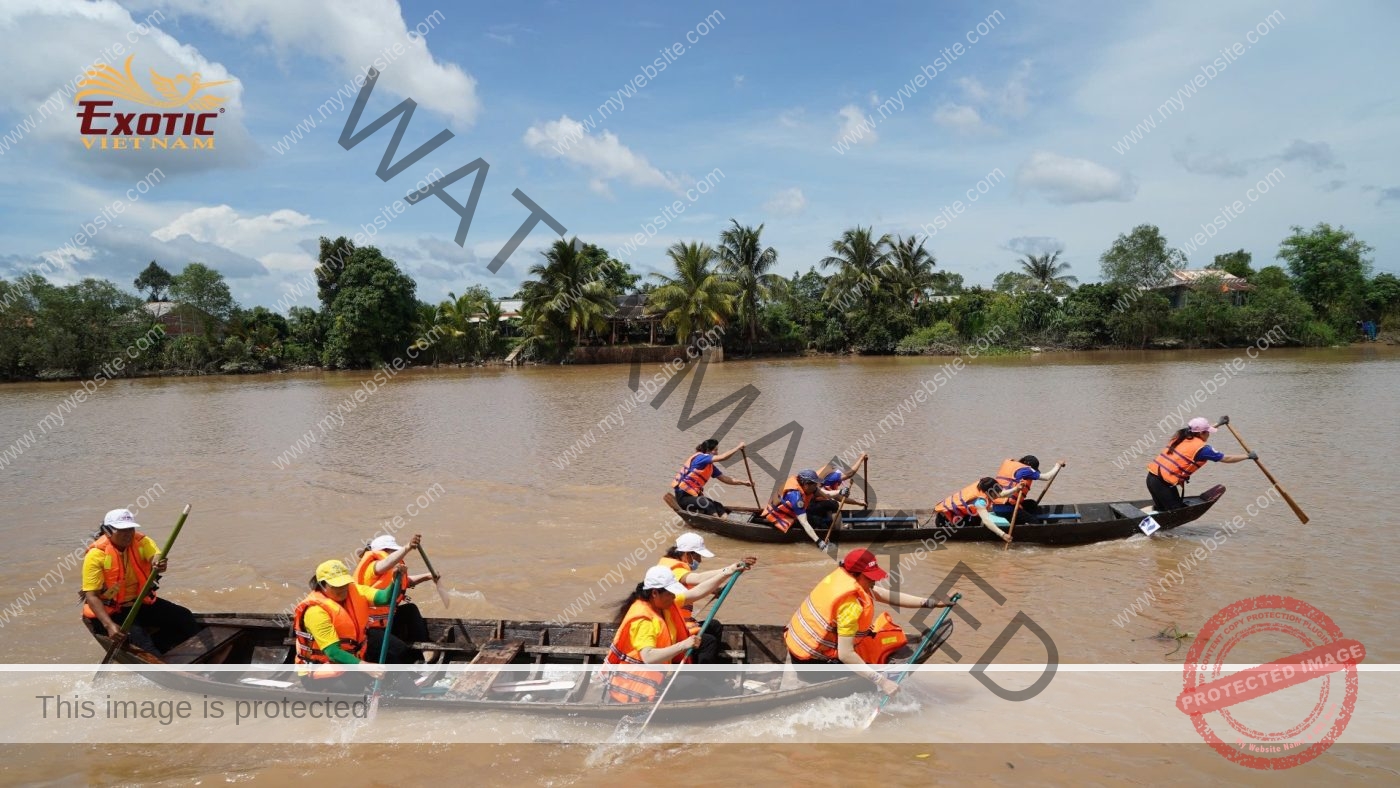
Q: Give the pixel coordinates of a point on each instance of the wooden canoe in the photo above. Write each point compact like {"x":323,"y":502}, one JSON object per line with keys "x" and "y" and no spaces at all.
{"x":545,"y":668}
{"x":1055,"y":524}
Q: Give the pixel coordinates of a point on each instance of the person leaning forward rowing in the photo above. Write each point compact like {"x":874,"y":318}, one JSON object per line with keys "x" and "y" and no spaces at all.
{"x":381,"y":560}
{"x":1016,"y":477}
{"x":834,"y":486}
{"x":836,"y":623}
{"x":652,"y":631}
{"x":791,"y":506}
{"x":330,"y":627}
{"x":115,"y":569}
{"x":689,"y":484}
{"x":683,"y":560}
{"x":1186,"y":453}
{"x":974,"y":500}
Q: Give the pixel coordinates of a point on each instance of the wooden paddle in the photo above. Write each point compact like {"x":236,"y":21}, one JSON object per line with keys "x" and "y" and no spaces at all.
{"x":865,"y":478}
{"x":1297,"y":510}
{"x":1044,"y":491}
{"x":145,"y":589}
{"x":923,"y":644}
{"x":703,"y":626}
{"x":836,"y":518}
{"x":384,"y":648}
{"x":446,"y":601}
{"x":752,"y":488}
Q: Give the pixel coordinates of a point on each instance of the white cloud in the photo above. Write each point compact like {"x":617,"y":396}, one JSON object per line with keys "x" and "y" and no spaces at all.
{"x":352,"y":34}
{"x":738,"y":80}
{"x":1010,"y":100}
{"x":222,"y":225}
{"x":788,"y":202}
{"x":1066,"y":180}
{"x":960,"y":118}
{"x":855,"y":129}
{"x":602,"y":155}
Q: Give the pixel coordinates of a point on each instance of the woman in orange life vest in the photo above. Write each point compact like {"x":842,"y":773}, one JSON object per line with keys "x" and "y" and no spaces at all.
{"x":974,"y":500}
{"x":1016,"y":476}
{"x":791,"y":507}
{"x":329,"y":627}
{"x":381,"y":558}
{"x":684,"y":562}
{"x":115,"y":568}
{"x":1185,"y":454}
{"x":836,"y":623}
{"x":652,"y":631}
{"x":689,"y":484}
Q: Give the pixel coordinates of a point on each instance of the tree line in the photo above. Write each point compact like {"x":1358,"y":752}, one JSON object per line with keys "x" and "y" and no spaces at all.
{"x":871,"y":294}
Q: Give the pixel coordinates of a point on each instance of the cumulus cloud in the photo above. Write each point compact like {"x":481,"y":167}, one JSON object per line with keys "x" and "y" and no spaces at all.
{"x":602,"y":155}
{"x":1035,"y":244}
{"x":1067,"y":180}
{"x":788,"y":202}
{"x":960,"y":118}
{"x":222,"y":225}
{"x":854,"y":127}
{"x":1316,"y":156}
{"x":1011,"y":99}
{"x":351,"y":34}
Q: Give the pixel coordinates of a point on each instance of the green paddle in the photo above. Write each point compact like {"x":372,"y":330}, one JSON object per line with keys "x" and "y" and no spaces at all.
{"x":145,"y":589}
{"x":923,"y":644}
{"x":384,"y":647}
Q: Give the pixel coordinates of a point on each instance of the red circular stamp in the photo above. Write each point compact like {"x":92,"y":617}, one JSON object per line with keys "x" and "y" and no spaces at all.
{"x":1325,"y":657}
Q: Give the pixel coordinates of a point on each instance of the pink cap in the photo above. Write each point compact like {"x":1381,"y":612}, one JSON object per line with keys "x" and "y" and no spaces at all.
{"x":1199,"y":424}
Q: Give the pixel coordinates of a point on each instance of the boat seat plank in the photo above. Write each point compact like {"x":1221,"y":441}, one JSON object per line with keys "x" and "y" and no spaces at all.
{"x":602,"y":651}
{"x":203,"y":644}
{"x":1127,"y":511}
{"x":494,"y":652}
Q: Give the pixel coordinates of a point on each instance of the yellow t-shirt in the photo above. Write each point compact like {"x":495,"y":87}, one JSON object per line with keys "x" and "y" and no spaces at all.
{"x":645,"y":632}
{"x":97,"y":562}
{"x":848,"y":619}
{"x":318,"y":622}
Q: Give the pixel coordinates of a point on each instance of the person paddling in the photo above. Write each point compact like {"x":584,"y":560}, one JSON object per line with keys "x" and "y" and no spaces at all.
{"x":330,"y":629}
{"x":1186,"y":453}
{"x":689,"y":484}
{"x":836,"y":623}
{"x":115,"y":569}
{"x":381,"y":560}
{"x":683,"y":560}
{"x":834,"y":486}
{"x":791,"y":506}
{"x":652,"y":631}
{"x":1016,"y":476}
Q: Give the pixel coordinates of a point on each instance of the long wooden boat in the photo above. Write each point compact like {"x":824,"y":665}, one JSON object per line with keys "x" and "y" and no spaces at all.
{"x":530,"y":666}
{"x":1054,"y":524}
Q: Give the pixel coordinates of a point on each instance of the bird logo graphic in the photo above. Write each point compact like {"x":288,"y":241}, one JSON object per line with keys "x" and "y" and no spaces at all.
{"x":180,"y":91}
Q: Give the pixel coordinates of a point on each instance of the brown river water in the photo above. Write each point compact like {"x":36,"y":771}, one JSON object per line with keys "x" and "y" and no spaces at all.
{"x":471,"y":459}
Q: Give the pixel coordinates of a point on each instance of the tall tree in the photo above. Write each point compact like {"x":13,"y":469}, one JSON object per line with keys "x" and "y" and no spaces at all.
{"x":748,"y":263}
{"x":156,"y":279}
{"x":333,"y":257}
{"x":912,"y":277}
{"x":860,"y":260}
{"x":1329,"y":267}
{"x":1141,"y":258}
{"x":616,"y":275}
{"x":697,"y":298}
{"x":1047,"y":274}
{"x":203,"y":288}
{"x":373,"y":314}
{"x":565,"y":298}
{"x":1234,"y":263}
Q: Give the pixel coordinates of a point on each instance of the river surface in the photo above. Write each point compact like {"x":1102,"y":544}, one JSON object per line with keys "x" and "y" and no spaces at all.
{"x":475,"y":460}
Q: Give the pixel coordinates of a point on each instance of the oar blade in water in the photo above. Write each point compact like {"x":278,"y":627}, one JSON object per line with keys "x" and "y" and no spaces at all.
{"x":442,"y":594}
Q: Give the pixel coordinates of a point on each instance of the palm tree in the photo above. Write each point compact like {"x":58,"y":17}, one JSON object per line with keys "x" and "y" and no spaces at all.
{"x":454,"y":319}
{"x":860,"y":259}
{"x":489,"y":328}
{"x":428,"y":324}
{"x":747,"y":262}
{"x":566,"y":298}
{"x":1047,"y":274}
{"x":697,"y":298}
{"x":911,"y":271}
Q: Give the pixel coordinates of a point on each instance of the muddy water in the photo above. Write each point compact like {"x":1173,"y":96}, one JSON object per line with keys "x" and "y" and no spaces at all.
{"x":472,"y":460}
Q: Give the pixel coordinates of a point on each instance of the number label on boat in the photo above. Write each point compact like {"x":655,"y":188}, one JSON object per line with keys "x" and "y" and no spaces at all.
{"x":1148,"y":526}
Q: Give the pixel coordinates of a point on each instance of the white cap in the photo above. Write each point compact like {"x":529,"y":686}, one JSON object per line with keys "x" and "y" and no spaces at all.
{"x":693,"y":543}
{"x":661,"y":577}
{"x":120,"y":519}
{"x":385,"y":542}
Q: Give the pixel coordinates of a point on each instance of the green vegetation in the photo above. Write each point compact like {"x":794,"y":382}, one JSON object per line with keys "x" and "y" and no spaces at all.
{"x":874,"y":294}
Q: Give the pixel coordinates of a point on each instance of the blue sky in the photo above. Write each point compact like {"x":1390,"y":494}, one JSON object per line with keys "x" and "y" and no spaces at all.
{"x":1035,"y":107}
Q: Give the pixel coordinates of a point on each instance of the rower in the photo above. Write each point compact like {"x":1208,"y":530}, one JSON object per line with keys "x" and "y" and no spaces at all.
{"x":689,"y":484}
{"x":834,"y":486}
{"x":837,"y":623}
{"x":380,"y":561}
{"x":330,"y":626}
{"x":791,"y":506}
{"x":973,"y":500}
{"x":683,"y":560}
{"x":115,"y":569}
{"x":1017,"y":476}
{"x":1186,"y":453}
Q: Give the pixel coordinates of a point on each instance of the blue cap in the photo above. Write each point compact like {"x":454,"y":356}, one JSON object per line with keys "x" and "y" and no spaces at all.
{"x":834,"y":477}
{"x":807,"y":475}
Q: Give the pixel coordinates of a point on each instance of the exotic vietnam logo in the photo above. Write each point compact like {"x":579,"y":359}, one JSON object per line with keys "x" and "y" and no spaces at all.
{"x":191,"y":129}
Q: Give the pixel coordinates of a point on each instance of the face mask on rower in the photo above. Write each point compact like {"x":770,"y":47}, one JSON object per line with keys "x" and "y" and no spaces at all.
{"x":694,"y":564}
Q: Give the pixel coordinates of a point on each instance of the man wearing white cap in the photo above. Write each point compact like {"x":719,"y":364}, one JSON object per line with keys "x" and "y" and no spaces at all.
{"x":1185,"y":454}
{"x":683,"y":560}
{"x":381,"y":559}
{"x":115,"y":569}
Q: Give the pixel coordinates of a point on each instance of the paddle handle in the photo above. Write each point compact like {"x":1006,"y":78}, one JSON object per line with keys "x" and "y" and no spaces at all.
{"x":384,"y":645}
{"x":703,"y":626}
{"x":836,"y":519}
{"x":865,"y":478}
{"x":146,"y":587}
{"x":1288,"y":499}
{"x":923,"y":644}
{"x":749,"y":471}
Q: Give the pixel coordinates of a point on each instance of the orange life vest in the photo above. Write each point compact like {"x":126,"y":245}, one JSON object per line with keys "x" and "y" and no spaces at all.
{"x":811,"y":634}
{"x":783,"y":514}
{"x":1006,"y":477}
{"x":960,"y":504}
{"x":634,"y":685}
{"x":693,"y":480}
{"x":349,"y":621}
{"x":687,"y":612}
{"x":114,"y":575}
{"x":365,"y":576}
{"x":1176,"y":463}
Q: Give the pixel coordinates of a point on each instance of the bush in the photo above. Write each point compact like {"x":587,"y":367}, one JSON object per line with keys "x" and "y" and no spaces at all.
{"x":1317,"y":333}
{"x":940,"y":337}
